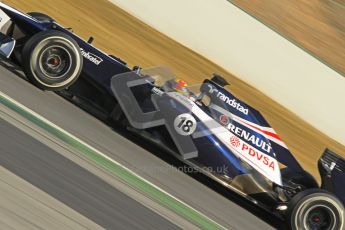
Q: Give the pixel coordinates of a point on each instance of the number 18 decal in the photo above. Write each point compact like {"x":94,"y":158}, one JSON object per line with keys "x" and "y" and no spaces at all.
{"x":185,"y":124}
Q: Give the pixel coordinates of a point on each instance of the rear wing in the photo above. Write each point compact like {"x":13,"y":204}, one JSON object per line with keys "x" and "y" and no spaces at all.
{"x":332,"y":161}
{"x":332,"y":171}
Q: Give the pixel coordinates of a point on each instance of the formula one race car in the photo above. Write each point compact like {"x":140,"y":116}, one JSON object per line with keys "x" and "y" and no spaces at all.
{"x":205,"y":126}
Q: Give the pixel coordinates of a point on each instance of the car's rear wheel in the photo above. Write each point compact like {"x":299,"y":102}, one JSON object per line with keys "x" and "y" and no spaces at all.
{"x":52,"y":60}
{"x":315,"y":209}
{"x":41,"y":17}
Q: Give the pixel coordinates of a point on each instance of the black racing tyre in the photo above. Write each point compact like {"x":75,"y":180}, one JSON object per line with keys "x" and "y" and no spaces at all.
{"x":315,"y":209}
{"x":52,"y":60}
{"x":41,"y":17}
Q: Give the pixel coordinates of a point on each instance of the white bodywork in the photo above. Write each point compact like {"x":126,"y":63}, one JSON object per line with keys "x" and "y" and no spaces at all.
{"x":265,"y":164}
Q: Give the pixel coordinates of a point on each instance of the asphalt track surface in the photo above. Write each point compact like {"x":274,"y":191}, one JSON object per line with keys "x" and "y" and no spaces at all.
{"x":213,"y":200}
{"x":71,"y":184}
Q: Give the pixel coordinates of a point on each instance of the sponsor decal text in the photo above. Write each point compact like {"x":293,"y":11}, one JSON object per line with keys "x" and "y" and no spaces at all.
{"x":91,"y":57}
{"x":230,"y":101}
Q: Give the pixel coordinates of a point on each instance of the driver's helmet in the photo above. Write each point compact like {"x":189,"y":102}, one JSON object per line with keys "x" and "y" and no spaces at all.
{"x":180,"y":86}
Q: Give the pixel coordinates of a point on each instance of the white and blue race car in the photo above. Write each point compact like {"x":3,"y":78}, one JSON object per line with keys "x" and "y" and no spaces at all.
{"x":205,"y":126}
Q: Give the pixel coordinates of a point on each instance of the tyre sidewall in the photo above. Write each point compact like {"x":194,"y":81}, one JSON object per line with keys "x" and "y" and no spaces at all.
{"x":301,"y":203}
{"x":32,"y":54}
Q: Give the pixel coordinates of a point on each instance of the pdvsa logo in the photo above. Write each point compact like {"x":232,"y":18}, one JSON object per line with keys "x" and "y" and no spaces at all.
{"x":257,"y":156}
{"x":235,"y":141}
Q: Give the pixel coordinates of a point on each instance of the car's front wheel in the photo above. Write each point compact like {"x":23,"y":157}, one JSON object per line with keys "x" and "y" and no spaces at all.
{"x":52,"y":60}
{"x":316,"y":209}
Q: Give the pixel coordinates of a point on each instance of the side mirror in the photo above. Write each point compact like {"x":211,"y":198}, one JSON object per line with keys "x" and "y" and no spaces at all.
{"x":219,"y":80}
{"x":90,"y":40}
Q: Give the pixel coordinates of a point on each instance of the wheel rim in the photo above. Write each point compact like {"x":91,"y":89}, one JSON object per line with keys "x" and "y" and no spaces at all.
{"x":319,"y":218}
{"x":55,"y":62}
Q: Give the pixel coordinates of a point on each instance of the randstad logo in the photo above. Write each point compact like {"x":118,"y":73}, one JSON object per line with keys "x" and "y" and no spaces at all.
{"x":226,"y":99}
